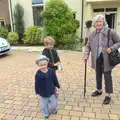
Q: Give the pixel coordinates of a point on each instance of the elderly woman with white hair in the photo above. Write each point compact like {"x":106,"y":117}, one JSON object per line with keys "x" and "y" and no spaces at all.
{"x":98,"y":46}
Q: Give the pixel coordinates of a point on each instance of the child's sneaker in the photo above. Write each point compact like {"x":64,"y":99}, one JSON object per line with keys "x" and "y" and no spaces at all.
{"x":55,"y":112}
{"x":46,"y":115}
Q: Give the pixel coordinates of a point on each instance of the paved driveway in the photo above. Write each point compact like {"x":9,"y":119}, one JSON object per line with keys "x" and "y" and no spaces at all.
{"x":19,"y":102}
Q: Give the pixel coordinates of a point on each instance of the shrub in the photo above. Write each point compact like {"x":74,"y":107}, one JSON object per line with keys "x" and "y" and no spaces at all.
{"x":73,"y":44}
{"x":18,"y":21}
{"x":32,"y":35}
{"x":13,"y":37}
{"x":59,"y":21}
{"x":3,"y":32}
{"x":8,"y":26}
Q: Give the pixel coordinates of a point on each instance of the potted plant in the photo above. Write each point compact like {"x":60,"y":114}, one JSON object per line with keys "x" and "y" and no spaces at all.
{"x":88,"y":24}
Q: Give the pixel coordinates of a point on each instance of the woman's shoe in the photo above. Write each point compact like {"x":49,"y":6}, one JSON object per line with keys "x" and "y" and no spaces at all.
{"x":107,"y":100}
{"x":96,"y":93}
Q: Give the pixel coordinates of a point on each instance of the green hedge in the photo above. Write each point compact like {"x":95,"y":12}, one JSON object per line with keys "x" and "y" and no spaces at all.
{"x":3,"y":32}
{"x":32,"y":36}
{"x":75,"y":44}
{"x":13,"y":37}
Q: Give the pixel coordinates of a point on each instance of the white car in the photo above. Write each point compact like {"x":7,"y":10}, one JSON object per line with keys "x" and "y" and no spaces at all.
{"x":4,"y":46}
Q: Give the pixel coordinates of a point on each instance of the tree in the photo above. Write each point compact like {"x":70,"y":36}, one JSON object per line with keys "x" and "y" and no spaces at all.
{"x":59,"y":22}
{"x":18,"y":21}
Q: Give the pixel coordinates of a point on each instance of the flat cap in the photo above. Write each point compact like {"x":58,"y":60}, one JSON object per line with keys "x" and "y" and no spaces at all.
{"x":40,"y":58}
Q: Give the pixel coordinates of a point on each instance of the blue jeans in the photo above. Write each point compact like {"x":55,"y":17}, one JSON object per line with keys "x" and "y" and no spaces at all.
{"x":49,"y":104}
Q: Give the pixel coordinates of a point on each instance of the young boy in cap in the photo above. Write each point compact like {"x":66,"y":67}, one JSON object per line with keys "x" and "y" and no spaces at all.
{"x":46,"y":84}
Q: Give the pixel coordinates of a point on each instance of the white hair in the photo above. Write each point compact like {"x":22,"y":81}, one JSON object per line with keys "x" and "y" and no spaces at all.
{"x":96,"y":18}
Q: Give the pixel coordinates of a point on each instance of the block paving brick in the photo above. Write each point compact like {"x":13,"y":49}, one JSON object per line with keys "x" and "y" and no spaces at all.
{"x":18,"y":100}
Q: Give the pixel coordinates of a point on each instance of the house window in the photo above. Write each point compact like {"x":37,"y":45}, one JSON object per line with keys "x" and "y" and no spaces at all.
{"x":111,"y":9}
{"x":38,"y":20}
{"x":98,"y":10}
{"x":2,"y":23}
{"x":37,"y":1}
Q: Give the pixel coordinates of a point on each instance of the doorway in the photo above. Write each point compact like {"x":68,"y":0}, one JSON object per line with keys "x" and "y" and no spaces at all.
{"x":110,"y":19}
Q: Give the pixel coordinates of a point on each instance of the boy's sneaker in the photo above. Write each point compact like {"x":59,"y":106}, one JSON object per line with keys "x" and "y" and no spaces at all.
{"x":55,"y":112}
{"x":46,"y":115}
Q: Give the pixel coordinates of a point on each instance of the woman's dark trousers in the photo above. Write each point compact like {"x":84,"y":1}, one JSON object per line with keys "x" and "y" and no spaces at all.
{"x":107,"y":76}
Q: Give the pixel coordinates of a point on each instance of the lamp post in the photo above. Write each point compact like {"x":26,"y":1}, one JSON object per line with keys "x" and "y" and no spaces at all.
{"x":82,"y":19}
{"x":11,"y":15}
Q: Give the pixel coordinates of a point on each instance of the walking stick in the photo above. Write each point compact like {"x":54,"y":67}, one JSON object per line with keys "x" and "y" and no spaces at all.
{"x":85,"y":77}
